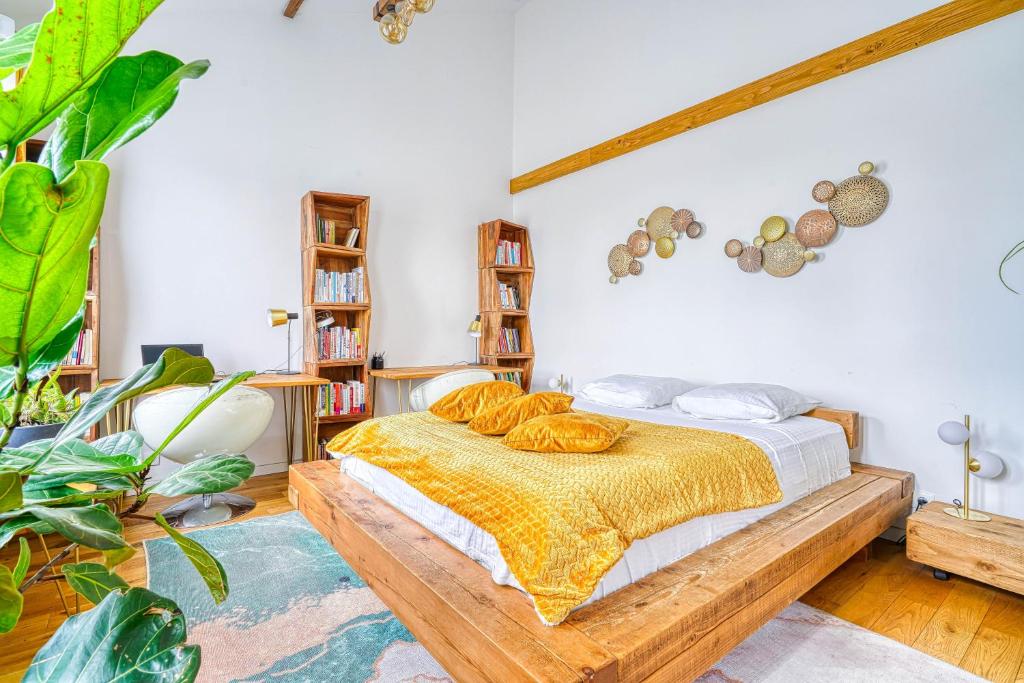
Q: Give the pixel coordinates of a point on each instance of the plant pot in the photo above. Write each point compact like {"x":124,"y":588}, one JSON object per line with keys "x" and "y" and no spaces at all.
{"x":24,"y":435}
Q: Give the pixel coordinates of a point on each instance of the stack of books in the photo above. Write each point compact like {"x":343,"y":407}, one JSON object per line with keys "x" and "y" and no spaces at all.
{"x":339,"y":288}
{"x":508,"y":340}
{"x":341,"y":398}
{"x":509,"y":295}
{"x":339,"y":343}
{"x":509,"y":254}
{"x":328,"y":231}
{"x":81,"y":352}
{"x":514,"y":377}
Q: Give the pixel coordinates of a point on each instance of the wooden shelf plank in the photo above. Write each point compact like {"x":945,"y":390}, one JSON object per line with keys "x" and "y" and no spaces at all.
{"x":330,"y":419}
{"x":337,"y":250}
{"x":341,"y":362}
{"x":77,"y":369}
{"x":325,"y":306}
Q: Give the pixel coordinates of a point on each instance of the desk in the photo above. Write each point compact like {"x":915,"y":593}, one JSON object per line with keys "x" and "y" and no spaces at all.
{"x":289,"y":386}
{"x":412,"y":373}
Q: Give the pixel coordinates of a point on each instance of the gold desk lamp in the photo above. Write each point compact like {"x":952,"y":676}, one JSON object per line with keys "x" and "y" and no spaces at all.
{"x":475,"y":331}
{"x":980,"y":463}
{"x":275,"y":318}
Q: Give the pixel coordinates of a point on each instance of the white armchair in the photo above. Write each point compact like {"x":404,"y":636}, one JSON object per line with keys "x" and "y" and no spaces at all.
{"x":425,"y":394}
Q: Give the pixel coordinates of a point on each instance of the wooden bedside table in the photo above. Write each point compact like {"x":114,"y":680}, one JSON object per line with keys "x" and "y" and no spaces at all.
{"x":990,"y":552}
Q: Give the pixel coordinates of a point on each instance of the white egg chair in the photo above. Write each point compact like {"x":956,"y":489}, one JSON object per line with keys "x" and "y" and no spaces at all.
{"x":430,"y":391}
{"x":231,"y":424}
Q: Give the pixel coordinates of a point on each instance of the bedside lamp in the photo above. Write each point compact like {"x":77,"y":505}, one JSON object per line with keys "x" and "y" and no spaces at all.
{"x":475,"y":330}
{"x":275,"y":318}
{"x":981,"y":463}
{"x":560,"y":383}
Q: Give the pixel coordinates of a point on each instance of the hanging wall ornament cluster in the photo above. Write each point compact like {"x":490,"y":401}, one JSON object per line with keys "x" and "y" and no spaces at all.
{"x":661,"y":230}
{"x":854,"y":202}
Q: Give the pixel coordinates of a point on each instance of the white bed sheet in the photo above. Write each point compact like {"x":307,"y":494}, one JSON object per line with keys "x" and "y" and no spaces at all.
{"x":806,"y":453}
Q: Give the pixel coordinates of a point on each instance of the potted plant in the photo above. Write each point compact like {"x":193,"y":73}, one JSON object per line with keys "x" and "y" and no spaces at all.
{"x":43,"y":413}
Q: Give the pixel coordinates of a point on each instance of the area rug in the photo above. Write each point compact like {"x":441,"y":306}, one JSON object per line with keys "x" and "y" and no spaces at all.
{"x":298,"y":613}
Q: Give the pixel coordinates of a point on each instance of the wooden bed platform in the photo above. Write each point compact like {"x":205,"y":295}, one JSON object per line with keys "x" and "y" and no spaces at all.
{"x":670,"y":626}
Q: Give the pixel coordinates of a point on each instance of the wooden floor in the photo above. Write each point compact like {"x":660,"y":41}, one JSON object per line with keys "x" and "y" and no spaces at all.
{"x":963,"y":622}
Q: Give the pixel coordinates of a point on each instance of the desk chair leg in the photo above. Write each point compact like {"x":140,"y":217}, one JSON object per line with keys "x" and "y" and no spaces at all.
{"x":398,"y":386}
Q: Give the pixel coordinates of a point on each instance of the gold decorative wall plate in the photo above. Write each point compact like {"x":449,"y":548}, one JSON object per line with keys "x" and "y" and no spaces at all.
{"x":859,"y":200}
{"x":639,"y":243}
{"x":619,"y":259}
{"x":662,"y":228}
{"x":816,"y":228}
{"x":681,"y":220}
{"x":784,"y":256}
{"x":665,"y":247}
{"x":733,"y":248}
{"x":635,"y":267}
{"x":773,"y":228}
{"x":659,"y":223}
{"x":823,"y":190}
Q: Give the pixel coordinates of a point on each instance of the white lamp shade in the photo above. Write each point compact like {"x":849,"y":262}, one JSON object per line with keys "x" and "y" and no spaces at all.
{"x":991,"y":465}
{"x":954,"y":433}
{"x":231,"y":424}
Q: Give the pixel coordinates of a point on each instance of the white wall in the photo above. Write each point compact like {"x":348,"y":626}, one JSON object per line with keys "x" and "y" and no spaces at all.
{"x":903,"y":319}
{"x":201,"y":230}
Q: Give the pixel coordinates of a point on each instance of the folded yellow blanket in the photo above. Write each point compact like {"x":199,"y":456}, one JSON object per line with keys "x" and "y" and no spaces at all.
{"x":562,"y":520}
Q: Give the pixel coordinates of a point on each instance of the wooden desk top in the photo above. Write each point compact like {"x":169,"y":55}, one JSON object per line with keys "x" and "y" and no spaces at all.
{"x":431,"y":371}
{"x":266,"y":380}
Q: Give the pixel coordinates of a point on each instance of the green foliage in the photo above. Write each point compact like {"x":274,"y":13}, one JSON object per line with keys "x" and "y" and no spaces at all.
{"x":132,"y":95}
{"x":92,"y":581}
{"x":11,"y":600}
{"x":24,"y":559}
{"x":210,"y":570}
{"x":16,"y":51}
{"x":93,"y":526}
{"x":46,"y":403}
{"x":212,"y":474}
{"x":1016,"y":251}
{"x":132,"y":635}
{"x":75,"y":45}
{"x":41,"y":361}
{"x":10,"y":490}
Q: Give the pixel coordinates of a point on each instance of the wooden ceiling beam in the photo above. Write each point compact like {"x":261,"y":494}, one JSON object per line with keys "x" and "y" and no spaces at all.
{"x":292,"y":8}
{"x":936,"y":24}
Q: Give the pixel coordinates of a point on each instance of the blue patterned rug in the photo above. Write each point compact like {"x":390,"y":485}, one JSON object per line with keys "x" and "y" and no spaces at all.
{"x":296,"y":611}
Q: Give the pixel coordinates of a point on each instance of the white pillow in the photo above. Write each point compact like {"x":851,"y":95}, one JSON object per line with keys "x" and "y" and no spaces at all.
{"x":754,"y":402}
{"x":634,"y":391}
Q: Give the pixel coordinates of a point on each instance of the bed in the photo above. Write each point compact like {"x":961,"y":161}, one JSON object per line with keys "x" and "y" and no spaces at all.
{"x":673,"y":605}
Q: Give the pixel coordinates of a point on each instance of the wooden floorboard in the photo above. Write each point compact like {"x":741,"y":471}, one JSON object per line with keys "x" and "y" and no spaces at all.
{"x":969,"y":624}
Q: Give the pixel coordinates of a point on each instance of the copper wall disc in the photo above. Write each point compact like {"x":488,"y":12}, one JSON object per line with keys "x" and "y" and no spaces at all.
{"x":619,"y":259}
{"x":681,"y":220}
{"x":635,"y":267}
{"x":639,"y":243}
{"x":859,"y":200}
{"x":816,"y":228}
{"x":749,"y":260}
{"x":659,"y":223}
{"x":733,"y":248}
{"x":784,"y":257}
{"x":823,"y":190}
{"x":694,"y":230}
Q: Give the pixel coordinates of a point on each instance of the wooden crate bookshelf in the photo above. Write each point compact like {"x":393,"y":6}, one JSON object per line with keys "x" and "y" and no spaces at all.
{"x":496,"y":315}
{"x":347,"y":212}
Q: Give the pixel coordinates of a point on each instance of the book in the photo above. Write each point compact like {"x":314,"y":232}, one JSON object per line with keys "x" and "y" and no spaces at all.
{"x":341,"y":398}
{"x":509,"y":253}
{"x":339,"y":288}
{"x":352,"y":237}
{"x":508,"y":340}
{"x":509,"y":296}
{"x":82,"y":351}
{"x":339,"y":343}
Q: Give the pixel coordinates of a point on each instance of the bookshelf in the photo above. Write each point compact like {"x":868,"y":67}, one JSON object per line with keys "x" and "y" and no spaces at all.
{"x":340,"y":290}
{"x":506,"y":288}
{"x":81,"y":369}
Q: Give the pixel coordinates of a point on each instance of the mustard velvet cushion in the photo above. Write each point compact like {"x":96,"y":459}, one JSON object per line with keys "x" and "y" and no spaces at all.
{"x":501,"y":419}
{"x":566,"y":433}
{"x":465,"y":403}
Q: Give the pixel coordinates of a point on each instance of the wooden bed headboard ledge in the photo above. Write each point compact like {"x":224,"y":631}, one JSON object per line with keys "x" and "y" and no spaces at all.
{"x":849,"y":420}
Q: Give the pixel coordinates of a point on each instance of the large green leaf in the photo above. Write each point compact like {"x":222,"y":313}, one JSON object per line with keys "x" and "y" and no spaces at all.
{"x":121,"y":443}
{"x":9,"y":527}
{"x":46,"y":230}
{"x":215,"y":392}
{"x":77,"y":40}
{"x":92,"y":580}
{"x":210,"y":570}
{"x":78,"y":457}
{"x":10,"y":490}
{"x":93,"y":526}
{"x":132,"y":635}
{"x":212,"y":474}
{"x":16,"y":51}
{"x":131,"y":95}
{"x":46,"y":357}
{"x":24,"y":560}
{"x":173,"y":367}
{"x":11,"y":600}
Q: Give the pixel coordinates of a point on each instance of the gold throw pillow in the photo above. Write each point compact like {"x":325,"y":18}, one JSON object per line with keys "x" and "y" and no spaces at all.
{"x":463,"y":404}
{"x":566,"y":433}
{"x":503,"y":418}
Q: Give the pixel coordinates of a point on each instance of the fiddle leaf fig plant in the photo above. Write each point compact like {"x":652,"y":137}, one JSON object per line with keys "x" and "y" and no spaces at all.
{"x":49,"y":213}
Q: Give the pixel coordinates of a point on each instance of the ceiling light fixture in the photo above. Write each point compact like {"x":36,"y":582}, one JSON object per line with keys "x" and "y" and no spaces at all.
{"x":395,"y":18}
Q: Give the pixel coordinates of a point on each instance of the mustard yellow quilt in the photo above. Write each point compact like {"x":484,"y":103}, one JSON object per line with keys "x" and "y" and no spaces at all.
{"x":562,"y":520}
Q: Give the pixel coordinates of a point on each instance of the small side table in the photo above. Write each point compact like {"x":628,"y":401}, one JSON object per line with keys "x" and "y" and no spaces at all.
{"x":990,"y":552}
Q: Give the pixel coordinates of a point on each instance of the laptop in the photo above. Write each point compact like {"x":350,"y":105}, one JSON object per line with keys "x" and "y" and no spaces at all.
{"x":151,"y":352}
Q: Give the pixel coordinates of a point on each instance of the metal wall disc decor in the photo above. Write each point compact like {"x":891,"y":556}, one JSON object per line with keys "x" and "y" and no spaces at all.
{"x":681,"y":220}
{"x":823,"y":190}
{"x":619,"y":259}
{"x":635,"y":267}
{"x":639,"y":243}
{"x":773,"y":228}
{"x":856,"y":201}
{"x":749,"y":260}
{"x":859,"y":200}
{"x":659,"y":223}
{"x":694,"y":230}
{"x":665,"y":247}
{"x":784,"y":256}
{"x":816,"y":228}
